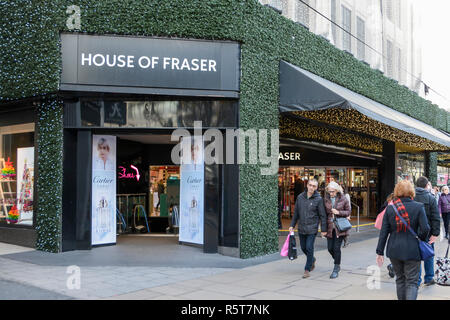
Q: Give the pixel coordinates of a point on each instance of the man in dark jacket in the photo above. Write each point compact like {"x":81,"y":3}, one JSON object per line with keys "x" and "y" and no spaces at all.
{"x":298,"y":187}
{"x":309,"y":209}
{"x":434,"y":220}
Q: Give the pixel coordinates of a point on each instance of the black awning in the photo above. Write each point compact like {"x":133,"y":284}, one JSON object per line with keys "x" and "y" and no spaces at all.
{"x":301,"y":90}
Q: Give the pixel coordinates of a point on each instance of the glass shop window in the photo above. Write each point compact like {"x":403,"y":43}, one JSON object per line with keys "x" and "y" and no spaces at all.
{"x":16,"y":175}
{"x":151,"y":113}
{"x":410,"y":166}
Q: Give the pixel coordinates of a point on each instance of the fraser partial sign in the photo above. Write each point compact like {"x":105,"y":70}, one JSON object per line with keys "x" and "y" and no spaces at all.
{"x":139,"y":64}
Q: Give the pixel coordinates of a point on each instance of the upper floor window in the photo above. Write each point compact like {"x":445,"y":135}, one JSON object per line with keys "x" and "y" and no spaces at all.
{"x":334,"y":29}
{"x":302,"y":12}
{"x":399,"y":13}
{"x":278,"y":4}
{"x":347,"y":26}
{"x":389,"y":58}
{"x":389,"y":13}
{"x":361,"y":35}
{"x":399,"y":65}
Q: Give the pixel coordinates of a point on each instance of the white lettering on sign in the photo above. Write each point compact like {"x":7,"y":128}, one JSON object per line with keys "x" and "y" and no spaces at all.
{"x":289,"y":156}
{"x":144,"y":62}
{"x":148,"y":62}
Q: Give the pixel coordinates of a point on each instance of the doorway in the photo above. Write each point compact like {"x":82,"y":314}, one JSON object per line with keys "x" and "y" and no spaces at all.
{"x":148,"y":186}
{"x":360,"y":183}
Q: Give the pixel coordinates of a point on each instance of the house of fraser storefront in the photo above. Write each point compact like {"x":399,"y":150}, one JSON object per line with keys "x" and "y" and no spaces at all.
{"x":121,"y":105}
{"x":149,"y":88}
{"x":123,"y":98}
{"x":86,"y":121}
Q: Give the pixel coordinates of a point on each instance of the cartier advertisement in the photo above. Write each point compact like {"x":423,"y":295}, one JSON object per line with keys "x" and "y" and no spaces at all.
{"x":103,"y":190}
{"x":192,"y":191}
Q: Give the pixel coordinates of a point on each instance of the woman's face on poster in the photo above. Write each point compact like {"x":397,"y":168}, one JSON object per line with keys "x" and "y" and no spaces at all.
{"x":194,"y":153}
{"x":103,"y":151}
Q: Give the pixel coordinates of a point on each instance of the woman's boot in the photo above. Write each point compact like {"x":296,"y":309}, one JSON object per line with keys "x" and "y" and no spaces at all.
{"x":335,"y":272}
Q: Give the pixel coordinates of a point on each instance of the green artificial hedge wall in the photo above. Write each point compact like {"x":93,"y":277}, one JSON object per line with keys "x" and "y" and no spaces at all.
{"x":30,"y":66}
{"x":49,"y":174}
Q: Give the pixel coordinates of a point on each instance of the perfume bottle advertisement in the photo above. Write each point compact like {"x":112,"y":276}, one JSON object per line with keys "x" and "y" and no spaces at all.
{"x":25,"y":182}
{"x":103,"y":190}
{"x":192,"y":194}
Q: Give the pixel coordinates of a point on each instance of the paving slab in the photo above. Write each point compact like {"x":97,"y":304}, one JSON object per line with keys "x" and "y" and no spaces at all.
{"x":311,"y":292}
{"x":172,"y":290}
{"x":208,"y":295}
{"x":6,"y":248}
{"x":270,"y":295}
{"x":232,"y":289}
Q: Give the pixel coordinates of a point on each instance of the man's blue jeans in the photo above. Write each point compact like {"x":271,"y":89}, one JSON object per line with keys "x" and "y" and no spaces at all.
{"x":429,"y":269}
{"x":307,"y":245}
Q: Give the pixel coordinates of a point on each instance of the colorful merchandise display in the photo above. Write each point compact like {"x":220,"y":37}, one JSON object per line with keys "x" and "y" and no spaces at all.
{"x":13,"y":215}
{"x":8,"y":172}
{"x":26,"y":189}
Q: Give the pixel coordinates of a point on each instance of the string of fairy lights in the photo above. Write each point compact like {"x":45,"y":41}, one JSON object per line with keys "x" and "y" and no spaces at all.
{"x":307,"y":131}
{"x":352,"y":119}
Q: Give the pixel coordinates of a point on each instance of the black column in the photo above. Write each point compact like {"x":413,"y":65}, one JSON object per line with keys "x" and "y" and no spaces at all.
{"x":229,"y":222}
{"x":212,"y":208}
{"x":387,"y":170}
{"x":83,"y":189}
{"x":229,"y":217}
{"x":69,"y":191}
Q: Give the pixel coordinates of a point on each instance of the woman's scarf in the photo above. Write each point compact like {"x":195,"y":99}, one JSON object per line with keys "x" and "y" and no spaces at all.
{"x":402,"y":211}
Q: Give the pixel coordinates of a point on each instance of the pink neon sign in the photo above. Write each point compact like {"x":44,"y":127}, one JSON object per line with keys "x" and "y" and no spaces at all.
{"x":124,"y":175}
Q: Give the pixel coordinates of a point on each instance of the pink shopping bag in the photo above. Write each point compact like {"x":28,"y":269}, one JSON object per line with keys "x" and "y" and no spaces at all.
{"x":379,"y":221}
{"x":285,"y":249}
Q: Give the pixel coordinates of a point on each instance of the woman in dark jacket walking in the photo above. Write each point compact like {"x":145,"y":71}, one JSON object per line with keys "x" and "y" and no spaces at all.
{"x":444,"y":208}
{"x":403,"y":247}
{"x":336,"y":205}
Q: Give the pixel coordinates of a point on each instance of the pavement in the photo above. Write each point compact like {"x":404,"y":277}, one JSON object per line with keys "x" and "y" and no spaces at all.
{"x":30,"y":274}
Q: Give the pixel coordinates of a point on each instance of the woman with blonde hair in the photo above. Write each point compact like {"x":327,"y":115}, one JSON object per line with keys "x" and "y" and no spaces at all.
{"x":402,"y":246}
{"x":336,"y":205}
{"x":444,"y":208}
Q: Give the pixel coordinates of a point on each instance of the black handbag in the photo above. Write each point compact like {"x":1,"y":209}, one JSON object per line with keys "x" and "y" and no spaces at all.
{"x":342,"y":224}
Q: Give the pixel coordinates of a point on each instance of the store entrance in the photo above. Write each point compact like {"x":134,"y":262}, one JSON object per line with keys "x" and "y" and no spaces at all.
{"x":360,"y":183}
{"x":148,"y":186}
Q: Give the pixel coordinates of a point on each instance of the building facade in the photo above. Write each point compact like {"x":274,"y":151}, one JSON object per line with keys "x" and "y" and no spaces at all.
{"x":69,"y":72}
{"x":383,"y":33}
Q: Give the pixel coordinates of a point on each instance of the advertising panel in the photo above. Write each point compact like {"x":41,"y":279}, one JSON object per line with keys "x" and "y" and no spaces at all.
{"x":25,"y":182}
{"x":103,"y":190}
{"x":192,"y":182}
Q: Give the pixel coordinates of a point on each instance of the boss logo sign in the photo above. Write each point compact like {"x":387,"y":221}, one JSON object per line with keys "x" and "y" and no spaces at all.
{"x":146,"y":62}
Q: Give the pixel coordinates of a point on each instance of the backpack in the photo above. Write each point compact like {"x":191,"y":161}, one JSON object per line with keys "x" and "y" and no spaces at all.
{"x":443,"y":270}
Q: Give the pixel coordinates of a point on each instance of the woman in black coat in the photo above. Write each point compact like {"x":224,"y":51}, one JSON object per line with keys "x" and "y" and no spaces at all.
{"x":403,"y":247}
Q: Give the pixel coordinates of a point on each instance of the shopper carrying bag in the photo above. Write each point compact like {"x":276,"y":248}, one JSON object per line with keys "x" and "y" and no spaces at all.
{"x":403,"y":247}
{"x":426,"y":250}
{"x":337,"y":209}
